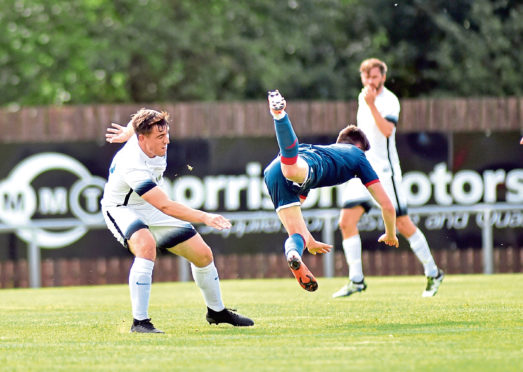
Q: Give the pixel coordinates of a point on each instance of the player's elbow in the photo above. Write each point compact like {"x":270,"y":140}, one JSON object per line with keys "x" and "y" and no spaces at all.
{"x":388,"y":208}
{"x":387,"y":132}
{"x":165,"y":207}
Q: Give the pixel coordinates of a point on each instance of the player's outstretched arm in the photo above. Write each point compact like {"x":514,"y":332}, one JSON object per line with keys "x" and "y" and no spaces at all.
{"x":388,"y":214}
{"x":159,"y":199}
{"x":117,"y":133}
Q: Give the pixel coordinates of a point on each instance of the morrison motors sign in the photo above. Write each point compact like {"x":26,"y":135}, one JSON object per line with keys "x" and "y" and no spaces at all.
{"x":40,"y":182}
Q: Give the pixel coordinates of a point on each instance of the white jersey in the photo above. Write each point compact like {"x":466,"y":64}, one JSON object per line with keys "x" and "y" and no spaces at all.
{"x":382,"y":154}
{"x":132,"y":173}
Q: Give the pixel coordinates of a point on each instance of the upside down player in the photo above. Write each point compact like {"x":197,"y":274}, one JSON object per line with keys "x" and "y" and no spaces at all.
{"x":302,"y":167}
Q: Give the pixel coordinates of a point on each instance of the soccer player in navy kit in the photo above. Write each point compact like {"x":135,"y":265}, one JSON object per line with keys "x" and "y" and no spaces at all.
{"x":302,"y":167}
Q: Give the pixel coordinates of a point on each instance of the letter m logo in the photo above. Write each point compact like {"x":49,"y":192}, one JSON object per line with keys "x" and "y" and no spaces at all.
{"x":12,"y":202}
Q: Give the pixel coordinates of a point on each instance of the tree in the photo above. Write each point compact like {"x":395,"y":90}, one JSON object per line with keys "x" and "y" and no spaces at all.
{"x":94,"y":51}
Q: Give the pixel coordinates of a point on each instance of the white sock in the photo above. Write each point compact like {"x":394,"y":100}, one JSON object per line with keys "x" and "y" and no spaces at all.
{"x":421,"y":249}
{"x":352,"y":248}
{"x":207,"y":280}
{"x":140,"y":279}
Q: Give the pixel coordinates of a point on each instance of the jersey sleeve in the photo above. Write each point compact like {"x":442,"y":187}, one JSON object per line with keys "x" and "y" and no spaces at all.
{"x":365,"y":172}
{"x":390,"y":110}
{"x":139,"y":180}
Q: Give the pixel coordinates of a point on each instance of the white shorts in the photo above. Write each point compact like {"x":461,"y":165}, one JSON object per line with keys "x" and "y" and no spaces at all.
{"x":124,"y":221}
{"x":355,"y":193}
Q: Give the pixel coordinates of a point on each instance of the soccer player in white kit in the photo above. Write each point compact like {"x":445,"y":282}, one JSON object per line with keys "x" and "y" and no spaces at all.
{"x":378,"y":113}
{"x":143,"y":219}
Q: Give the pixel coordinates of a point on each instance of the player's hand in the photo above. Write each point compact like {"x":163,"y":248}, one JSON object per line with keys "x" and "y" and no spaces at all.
{"x":217,"y":221}
{"x":391,"y":240}
{"x":369,"y":94}
{"x":117,"y":134}
{"x":318,"y":247}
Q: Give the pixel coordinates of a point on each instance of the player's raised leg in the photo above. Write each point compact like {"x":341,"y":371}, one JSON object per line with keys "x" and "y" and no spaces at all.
{"x":287,"y":139}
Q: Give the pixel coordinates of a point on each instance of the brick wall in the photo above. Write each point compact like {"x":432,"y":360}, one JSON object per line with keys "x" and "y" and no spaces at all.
{"x":112,"y":270}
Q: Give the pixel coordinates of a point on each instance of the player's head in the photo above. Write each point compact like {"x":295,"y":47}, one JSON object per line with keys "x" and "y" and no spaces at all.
{"x":152,"y":129}
{"x":145,"y":120}
{"x":353,"y":135}
{"x":373,"y":72}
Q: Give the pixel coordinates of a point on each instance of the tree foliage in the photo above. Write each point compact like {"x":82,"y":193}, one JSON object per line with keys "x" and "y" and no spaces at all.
{"x":95,"y":51}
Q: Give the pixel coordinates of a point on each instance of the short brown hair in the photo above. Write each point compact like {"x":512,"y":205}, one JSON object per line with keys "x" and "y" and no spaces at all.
{"x":353,"y":135}
{"x":145,"y":119}
{"x":370,"y":63}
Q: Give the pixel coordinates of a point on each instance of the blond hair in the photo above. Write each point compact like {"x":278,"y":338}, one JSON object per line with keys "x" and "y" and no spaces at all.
{"x":371,"y":63}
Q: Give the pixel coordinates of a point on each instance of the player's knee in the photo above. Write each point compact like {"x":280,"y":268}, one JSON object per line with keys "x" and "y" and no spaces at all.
{"x":203,"y":258}
{"x":348,"y":221}
{"x":348,"y":228}
{"x":289,"y":171}
{"x":405,"y":226}
{"x":147,"y":252}
{"x":142,"y":244}
{"x":344,"y":224}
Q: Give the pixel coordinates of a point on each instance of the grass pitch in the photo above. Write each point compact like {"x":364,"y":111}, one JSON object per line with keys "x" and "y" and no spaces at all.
{"x":475,"y":323}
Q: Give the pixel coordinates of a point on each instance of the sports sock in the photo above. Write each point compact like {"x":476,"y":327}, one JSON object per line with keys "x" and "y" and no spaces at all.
{"x":287,"y":140}
{"x":420,"y":247}
{"x":294,"y":244}
{"x":207,"y":280}
{"x":140,"y":279}
{"x":352,"y":248}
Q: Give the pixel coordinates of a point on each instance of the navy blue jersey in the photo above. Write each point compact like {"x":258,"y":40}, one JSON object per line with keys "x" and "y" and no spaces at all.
{"x":329,"y":165}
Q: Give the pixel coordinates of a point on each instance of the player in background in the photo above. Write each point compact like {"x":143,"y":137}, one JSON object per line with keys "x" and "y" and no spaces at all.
{"x":302,"y":167}
{"x":143,"y":219}
{"x":378,"y":113}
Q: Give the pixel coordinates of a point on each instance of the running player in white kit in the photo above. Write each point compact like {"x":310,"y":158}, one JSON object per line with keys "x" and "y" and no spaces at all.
{"x":143,"y":219}
{"x":378,"y":113}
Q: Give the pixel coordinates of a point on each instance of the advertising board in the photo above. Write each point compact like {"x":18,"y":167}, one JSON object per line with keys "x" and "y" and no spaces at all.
{"x":64,"y":182}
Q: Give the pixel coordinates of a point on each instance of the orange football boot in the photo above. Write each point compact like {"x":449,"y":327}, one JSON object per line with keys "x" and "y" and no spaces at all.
{"x":302,"y":274}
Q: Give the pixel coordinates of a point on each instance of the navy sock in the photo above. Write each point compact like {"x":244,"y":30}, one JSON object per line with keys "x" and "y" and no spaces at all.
{"x":287,"y":140}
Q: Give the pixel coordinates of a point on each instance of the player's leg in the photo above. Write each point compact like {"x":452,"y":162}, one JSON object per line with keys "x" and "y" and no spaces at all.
{"x":205,"y":274}
{"x":415,"y":237}
{"x":130,"y":231}
{"x":287,"y":139}
{"x":293,"y":168}
{"x":357,"y":201}
{"x":351,"y":243}
{"x":143,"y":246}
{"x":292,"y":220}
{"x":287,"y":204}
{"x":420,"y":247}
